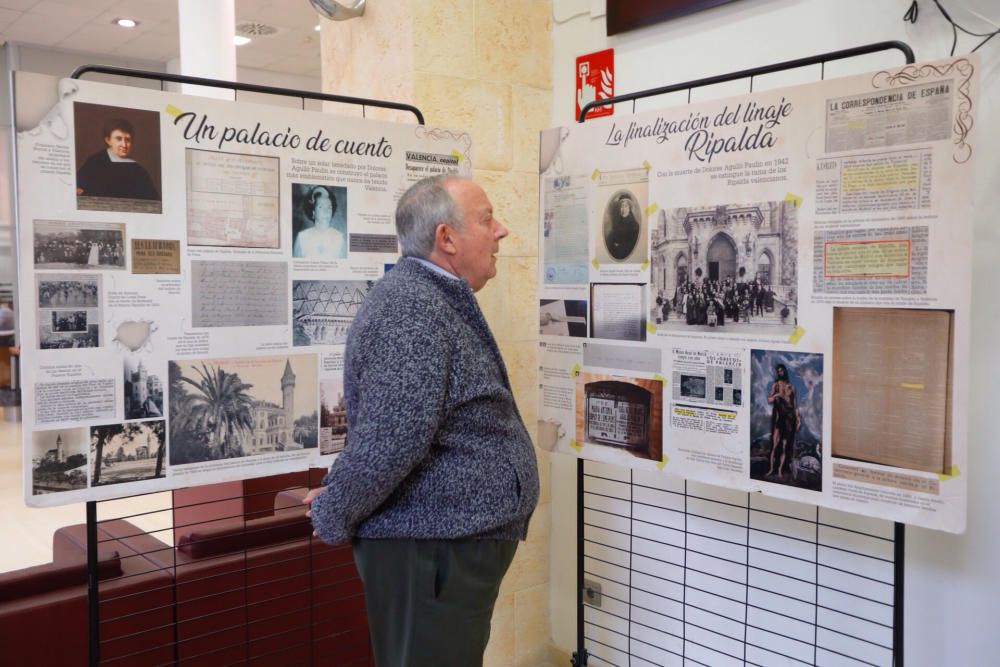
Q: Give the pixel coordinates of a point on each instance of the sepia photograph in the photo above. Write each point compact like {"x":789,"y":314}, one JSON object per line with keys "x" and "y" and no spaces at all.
{"x":786,"y":418}
{"x":622,"y":230}
{"x":729,"y":268}
{"x":332,"y":416}
{"x":79,"y":245}
{"x":232,"y":408}
{"x":58,"y":460}
{"x":129,"y":452}
{"x":622,"y":412}
{"x":143,"y":390}
{"x":117,"y":159}
{"x":322,"y":310}
{"x":319,"y":221}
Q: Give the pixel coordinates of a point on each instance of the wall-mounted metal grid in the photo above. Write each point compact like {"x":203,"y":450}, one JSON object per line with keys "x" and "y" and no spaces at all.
{"x":692,"y":574}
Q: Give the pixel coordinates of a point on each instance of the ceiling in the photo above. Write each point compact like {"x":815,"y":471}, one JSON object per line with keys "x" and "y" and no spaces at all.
{"x":86,"y":26}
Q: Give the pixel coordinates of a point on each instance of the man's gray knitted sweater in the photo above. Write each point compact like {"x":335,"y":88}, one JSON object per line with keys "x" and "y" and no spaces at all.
{"x":436,"y":447}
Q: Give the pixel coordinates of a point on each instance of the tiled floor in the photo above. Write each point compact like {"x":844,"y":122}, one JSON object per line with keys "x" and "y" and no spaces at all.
{"x":26,"y":532}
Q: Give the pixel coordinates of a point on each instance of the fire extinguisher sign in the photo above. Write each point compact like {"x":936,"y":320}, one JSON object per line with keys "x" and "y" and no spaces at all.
{"x":595,"y":80}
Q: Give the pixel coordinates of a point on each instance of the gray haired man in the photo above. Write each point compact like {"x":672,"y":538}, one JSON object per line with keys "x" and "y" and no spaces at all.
{"x":438,"y":479}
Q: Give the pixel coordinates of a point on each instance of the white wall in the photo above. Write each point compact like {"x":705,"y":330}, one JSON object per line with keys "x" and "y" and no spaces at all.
{"x":952,"y":583}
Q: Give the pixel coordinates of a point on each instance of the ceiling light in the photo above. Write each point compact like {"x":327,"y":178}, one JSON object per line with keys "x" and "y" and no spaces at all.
{"x":126,"y":23}
{"x":240,"y":40}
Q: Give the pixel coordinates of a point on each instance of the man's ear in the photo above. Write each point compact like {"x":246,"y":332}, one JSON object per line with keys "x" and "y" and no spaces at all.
{"x":444,"y":239}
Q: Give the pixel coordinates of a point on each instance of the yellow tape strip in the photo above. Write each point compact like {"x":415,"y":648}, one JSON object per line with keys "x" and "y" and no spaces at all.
{"x":596,"y":264}
{"x":659,"y":378}
{"x":651,"y":209}
{"x":795,"y":199}
{"x":575,"y":445}
{"x":455,"y":154}
{"x":593,"y":176}
{"x":573,"y":372}
{"x":650,"y":327}
{"x":645,"y":165}
{"x":911,"y":385}
{"x":797,"y":333}
{"x":173,"y":111}
{"x":645,"y":265}
{"x":951,"y":474}
{"x":662,"y":463}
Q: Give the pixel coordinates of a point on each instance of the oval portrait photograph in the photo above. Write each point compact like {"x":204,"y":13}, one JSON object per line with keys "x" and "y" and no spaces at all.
{"x":622,"y":223}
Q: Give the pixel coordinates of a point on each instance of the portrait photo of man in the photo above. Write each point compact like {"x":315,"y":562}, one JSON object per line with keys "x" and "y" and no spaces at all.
{"x":118,"y":159}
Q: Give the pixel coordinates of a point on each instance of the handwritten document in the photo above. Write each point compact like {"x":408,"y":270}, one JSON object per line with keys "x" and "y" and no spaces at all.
{"x":239,"y":294}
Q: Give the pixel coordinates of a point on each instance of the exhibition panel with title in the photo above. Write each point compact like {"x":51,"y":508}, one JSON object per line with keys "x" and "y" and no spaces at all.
{"x":188,"y":269}
{"x":769,"y":292}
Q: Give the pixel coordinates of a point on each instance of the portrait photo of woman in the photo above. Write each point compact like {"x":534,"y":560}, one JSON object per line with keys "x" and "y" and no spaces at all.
{"x":319,"y":215}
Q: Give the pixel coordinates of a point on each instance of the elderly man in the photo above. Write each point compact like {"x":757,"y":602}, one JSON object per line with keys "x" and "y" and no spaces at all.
{"x":438,"y":478}
{"x":110,"y":172}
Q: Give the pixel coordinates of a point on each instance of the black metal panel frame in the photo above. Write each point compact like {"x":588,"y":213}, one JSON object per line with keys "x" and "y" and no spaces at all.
{"x":94,"y":658}
{"x":580,"y":656}
{"x":164,"y":77}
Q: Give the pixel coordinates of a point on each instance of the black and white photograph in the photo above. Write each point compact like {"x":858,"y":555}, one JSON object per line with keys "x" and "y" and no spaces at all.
{"x":729,"y":268}
{"x":48,"y":339}
{"x":69,"y":311}
{"x":322,"y":310}
{"x":58,"y":460}
{"x":64,"y":321}
{"x":143,"y":390}
{"x":786,"y":418}
{"x":562,"y":317}
{"x":622,"y":231}
{"x":332,"y":416}
{"x":727,"y":375}
{"x":79,"y":292}
{"x":249,"y":406}
{"x":117,"y":159}
{"x":692,"y":386}
{"x":79,"y":245}
{"x":319,"y":221}
{"x":737,"y":397}
{"x":128,"y":452}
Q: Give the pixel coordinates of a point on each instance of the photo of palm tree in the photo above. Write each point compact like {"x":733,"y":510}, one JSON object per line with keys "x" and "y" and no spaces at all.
{"x":127,"y":452}
{"x":231,"y":408}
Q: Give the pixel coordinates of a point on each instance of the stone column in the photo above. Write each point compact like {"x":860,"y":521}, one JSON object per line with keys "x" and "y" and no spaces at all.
{"x":206,"y":29}
{"x":484,"y":66}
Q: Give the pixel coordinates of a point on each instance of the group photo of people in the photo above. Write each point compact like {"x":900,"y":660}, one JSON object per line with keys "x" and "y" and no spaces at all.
{"x":64,"y":248}
{"x":69,"y":320}
{"x":68,"y":293}
{"x":713,"y":303}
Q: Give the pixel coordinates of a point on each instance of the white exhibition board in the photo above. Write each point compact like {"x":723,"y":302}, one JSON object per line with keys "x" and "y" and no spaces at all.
{"x":770,"y":292}
{"x":185,"y":298}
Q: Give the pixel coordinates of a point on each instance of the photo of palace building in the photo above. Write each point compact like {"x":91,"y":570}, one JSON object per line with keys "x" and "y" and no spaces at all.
{"x":230,"y":408}
{"x":735,"y":261}
{"x":143,"y":392}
